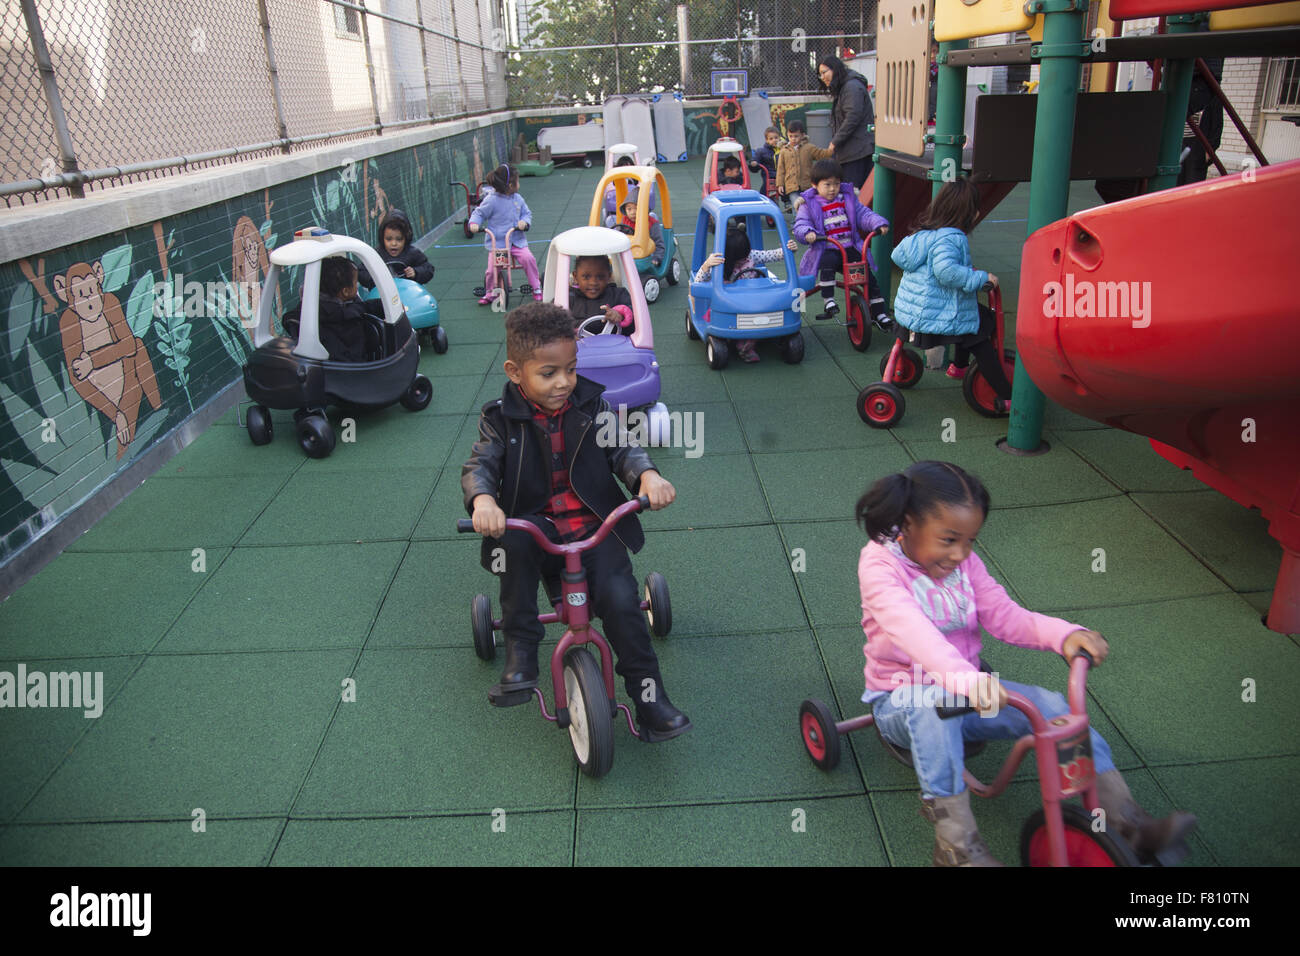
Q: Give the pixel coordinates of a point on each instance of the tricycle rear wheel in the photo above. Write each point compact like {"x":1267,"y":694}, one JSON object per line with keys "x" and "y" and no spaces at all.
{"x":881,"y":405}
{"x":820,"y":738}
{"x":907,"y":370}
{"x":480,"y":621}
{"x":1083,"y":846}
{"x":660,"y":610}
{"x":977,"y":391}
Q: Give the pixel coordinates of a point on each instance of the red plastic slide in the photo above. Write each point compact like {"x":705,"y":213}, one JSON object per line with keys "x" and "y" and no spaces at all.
{"x":1177,"y":316}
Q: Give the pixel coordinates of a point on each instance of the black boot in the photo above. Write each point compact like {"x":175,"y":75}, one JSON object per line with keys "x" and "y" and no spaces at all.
{"x":660,"y":720}
{"x":518,"y":677}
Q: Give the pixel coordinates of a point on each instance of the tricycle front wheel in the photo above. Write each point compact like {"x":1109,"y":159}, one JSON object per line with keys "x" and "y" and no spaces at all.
{"x":659,"y":611}
{"x":591,"y":729}
{"x":1083,"y":846}
{"x":480,"y":619}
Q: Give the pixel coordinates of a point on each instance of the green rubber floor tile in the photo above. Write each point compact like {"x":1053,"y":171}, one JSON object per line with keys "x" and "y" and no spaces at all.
{"x":714,"y":431}
{"x":318,"y":507}
{"x":1126,"y":459}
{"x":470,"y":358}
{"x":232,"y":734}
{"x":777,"y":426}
{"x":803,"y":487}
{"x":702,"y":484}
{"x":287,"y":598}
{"x":36,"y":739}
{"x":1231,"y":539}
{"x":1243,"y":808}
{"x":227,"y":452}
{"x":446,"y":506}
{"x":820,"y":381}
{"x":470,"y":329}
{"x":528,"y":839}
{"x":714,"y":593}
{"x":416,"y":440}
{"x":1180,"y":676}
{"x":454,"y":394}
{"x":222,"y":843}
{"x":489,"y":390}
{"x":428,"y":603}
{"x":195,"y":513}
{"x":422,"y":738}
{"x":1048,"y":553}
{"x":822,"y":832}
{"x":744,"y":744}
{"x":828,"y":580}
{"x":683,"y":386}
{"x":95,"y":604}
{"x":1259,"y":600}
{"x":1014,"y":482}
{"x":1058,"y":419}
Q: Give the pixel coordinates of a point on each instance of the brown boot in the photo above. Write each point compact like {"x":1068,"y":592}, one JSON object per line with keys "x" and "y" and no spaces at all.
{"x":1146,"y":834}
{"x":956,"y":840}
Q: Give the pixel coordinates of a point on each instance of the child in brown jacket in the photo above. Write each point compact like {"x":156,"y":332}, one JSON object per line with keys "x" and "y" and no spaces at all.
{"x":794,"y":164}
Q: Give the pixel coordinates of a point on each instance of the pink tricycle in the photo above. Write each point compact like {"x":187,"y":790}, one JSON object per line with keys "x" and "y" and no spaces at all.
{"x":1057,"y":834}
{"x":584,"y":692}
{"x":501,"y":260}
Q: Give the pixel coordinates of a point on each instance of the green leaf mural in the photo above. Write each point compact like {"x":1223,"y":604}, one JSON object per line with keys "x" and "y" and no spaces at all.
{"x":139,"y":307}
{"x":117,"y":267}
{"x":23,"y":311}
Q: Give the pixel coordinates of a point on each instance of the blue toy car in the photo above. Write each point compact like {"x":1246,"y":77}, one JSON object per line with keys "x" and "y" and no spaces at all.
{"x":421,"y":307}
{"x":765,"y":308}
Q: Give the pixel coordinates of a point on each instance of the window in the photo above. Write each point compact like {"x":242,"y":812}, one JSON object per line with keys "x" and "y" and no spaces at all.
{"x":1282,"y":84}
{"x":347,"y":22}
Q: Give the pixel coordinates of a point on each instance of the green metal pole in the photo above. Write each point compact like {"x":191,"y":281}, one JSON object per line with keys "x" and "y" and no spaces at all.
{"x":1049,"y":184}
{"x":1176,"y":81}
{"x":949,"y":118}
{"x":882,"y":202}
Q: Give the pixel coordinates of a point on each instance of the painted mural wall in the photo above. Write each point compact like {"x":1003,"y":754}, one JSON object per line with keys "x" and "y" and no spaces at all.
{"x":107,"y":345}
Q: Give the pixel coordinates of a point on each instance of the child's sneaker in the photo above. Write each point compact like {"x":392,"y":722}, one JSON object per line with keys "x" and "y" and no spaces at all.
{"x":537,"y":297}
{"x":883,"y":321}
{"x":488,"y":299}
{"x":832,"y":309}
{"x":955,"y":371}
{"x":746,"y":351}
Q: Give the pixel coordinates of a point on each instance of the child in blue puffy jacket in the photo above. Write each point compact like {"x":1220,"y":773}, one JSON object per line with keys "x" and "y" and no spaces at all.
{"x":937,"y":297}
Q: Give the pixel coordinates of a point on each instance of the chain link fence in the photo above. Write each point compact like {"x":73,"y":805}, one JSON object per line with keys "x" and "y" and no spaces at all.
{"x":580,"y":52}
{"x":99,"y":92}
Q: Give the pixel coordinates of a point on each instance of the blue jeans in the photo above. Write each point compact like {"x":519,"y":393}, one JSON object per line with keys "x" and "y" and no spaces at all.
{"x":936,"y":745}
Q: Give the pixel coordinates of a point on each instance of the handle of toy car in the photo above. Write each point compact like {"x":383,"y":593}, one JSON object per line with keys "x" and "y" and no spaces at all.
{"x":948,"y":712}
{"x":642,"y":503}
{"x":995,"y":297}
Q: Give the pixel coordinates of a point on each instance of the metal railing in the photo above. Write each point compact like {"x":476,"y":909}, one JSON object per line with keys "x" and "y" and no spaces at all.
{"x":101,"y":92}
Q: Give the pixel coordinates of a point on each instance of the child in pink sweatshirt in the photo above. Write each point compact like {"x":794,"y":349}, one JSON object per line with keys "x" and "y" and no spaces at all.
{"x":925,"y":595}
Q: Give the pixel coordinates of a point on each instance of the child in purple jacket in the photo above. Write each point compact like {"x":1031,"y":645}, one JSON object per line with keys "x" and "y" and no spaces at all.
{"x":831,"y":208}
{"x":925,"y":596}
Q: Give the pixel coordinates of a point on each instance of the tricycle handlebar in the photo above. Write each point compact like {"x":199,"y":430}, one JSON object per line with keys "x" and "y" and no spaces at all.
{"x":642,"y":503}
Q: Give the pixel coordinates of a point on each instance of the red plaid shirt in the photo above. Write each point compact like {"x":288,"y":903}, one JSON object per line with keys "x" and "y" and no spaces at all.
{"x":573,"y":519}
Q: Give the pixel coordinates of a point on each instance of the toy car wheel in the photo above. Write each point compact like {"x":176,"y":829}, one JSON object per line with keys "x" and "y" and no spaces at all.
{"x":480,"y":291}
{"x":977,"y":391}
{"x":1083,"y":847}
{"x":315,"y":436}
{"x":820,"y":738}
{"x":439,"y":336}
{"x":792,"y":348}
{"x":586,"y":162}
{"x":651,"y":289}
{"x":260,"y":430}
{"x":418,"y":393}
{"x":591,"y":729}
{"x":717,"y":351}
{"x":859,"y":325}
{"x":659,"y":614}
{"x":480,"y":620}
{"x":907,"y":370}
{"x":881,"y":405}
{"x":691,"y":334}
{"x":674,"y":274}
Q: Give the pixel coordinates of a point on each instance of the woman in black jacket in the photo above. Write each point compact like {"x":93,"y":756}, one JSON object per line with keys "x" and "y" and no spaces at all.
{"x":853,"y":137}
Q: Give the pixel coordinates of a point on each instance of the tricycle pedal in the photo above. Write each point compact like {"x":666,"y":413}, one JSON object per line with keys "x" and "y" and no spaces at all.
{"x":510,"y":698}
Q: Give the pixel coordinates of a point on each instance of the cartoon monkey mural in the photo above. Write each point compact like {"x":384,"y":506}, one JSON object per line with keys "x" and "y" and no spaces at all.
{"x":110,"y":367}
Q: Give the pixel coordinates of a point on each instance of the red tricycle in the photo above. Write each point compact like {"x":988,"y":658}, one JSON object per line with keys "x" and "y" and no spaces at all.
{"x":585,"y":703}
{"x":857,"y":316}
{"x":881,"y":404}
{"x":501,"y":259}
{"x":471,"y":200}
{"x":1058,"y":834}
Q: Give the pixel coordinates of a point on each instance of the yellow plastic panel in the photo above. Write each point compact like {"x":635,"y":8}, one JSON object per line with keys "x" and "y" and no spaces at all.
{"x":963,"y":19}
{"x":1272,"y":15}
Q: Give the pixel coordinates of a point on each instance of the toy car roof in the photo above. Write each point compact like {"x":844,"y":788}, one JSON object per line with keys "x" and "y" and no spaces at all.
{"x":726,"y":146}
{"x":302,"y":251}
{"x":591,"y":241}
{"x":739,"y":202}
